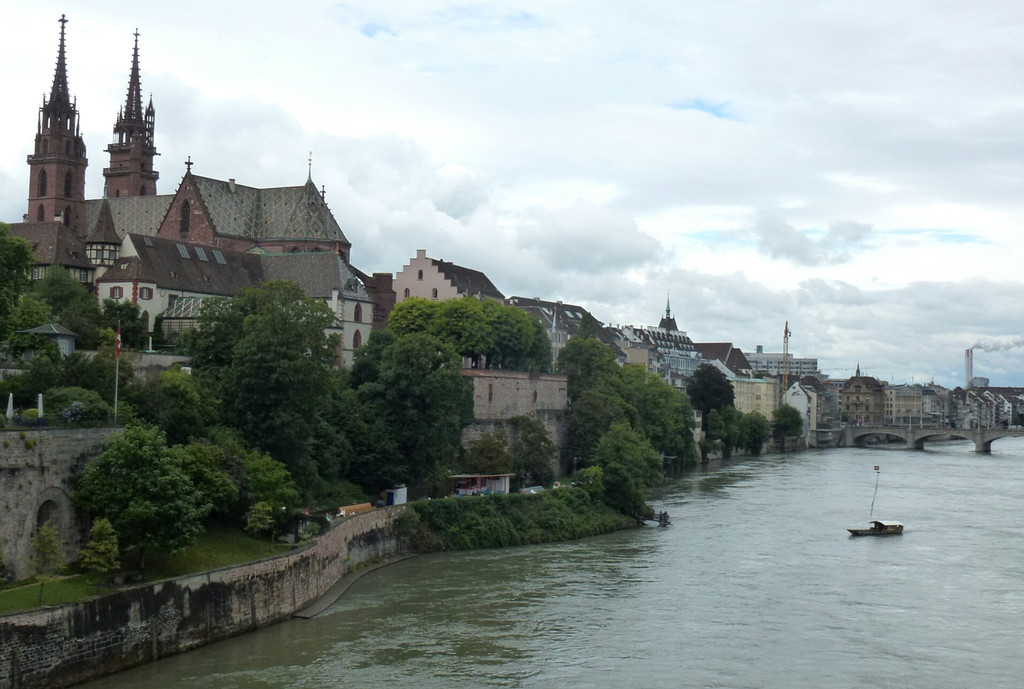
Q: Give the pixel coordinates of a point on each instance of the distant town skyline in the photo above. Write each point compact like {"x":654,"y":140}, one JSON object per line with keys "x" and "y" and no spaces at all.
{"x":853,"y":169}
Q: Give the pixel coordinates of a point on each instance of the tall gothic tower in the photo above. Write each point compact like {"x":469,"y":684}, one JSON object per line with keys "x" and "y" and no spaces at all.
{"x":57,"y":168}
{"x":131,"y":170}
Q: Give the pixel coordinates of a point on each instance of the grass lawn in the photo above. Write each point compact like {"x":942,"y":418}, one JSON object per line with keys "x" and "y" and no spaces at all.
{"x":220,"y":546}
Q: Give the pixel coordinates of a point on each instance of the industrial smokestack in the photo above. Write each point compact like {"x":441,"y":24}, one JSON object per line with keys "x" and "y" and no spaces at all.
{"x":968,"y":367}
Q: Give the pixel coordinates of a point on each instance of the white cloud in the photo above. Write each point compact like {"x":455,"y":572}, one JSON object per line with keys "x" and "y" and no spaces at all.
{"x":852,"y":168}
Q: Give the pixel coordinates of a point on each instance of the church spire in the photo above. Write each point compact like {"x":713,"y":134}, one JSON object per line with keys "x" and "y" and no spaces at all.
{"x":133,"y":103}
{"x":57,"y":164}
{"x":59,"y":106}
{"x":668,"y":308}
{"x":131,"y":170}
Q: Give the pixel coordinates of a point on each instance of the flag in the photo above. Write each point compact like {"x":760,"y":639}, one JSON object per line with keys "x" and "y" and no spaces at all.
{"x":117,"y":344}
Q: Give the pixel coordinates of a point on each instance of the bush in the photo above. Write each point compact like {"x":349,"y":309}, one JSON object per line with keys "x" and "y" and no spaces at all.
{"x":495,"y":521}
{"x":77,"y":406}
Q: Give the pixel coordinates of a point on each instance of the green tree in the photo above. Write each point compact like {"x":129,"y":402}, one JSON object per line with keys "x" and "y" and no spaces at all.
{"x":709,"y":389}
{"x":30,"y":312}
{"x":788,"y":421}
{"x":47,"y":554}
{"x":488,"y":454}
{"x":47,"y":550}
{"x":754,"y":431}
{"x":261,"y":519}
{"x":424,"y":401}
{"x":204,"y":464}
{"x":15,"y":261}
{"x":101,"y":554}
{"x":73,"y":305}
{"x":664,"y":414}
{"x":519,"y":342}
{"x":413,"y":315}
{"x":179,"y":403}
{"x":270,"y":482}
{"x":268,"y":355}
{"x":128,"y":317}
{"x":586,"y":362}
{"x":461,"y":323}
{"x":139,"y":484}
{"x":533,"y":451}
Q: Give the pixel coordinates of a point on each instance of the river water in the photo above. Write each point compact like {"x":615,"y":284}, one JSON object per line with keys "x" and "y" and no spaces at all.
{"x":755,"y":584}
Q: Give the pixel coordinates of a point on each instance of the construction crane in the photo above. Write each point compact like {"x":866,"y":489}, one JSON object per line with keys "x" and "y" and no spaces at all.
{"x":785,"y":360}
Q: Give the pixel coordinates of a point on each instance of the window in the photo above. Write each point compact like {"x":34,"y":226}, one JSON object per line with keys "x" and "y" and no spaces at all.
{"x":406,"y":292}
{"x":148,"y":241}
{"x":67,"y":186}
{"x":433,"y":293}
{"x":183,"y":251}
{"x":42,"y":183}
{"x":219,"y":257}
{"x":111,"y":254}
{"x":186,"y":217}
{"x":145,"y":293}
{"x":357,"y":340}
{"x":116,"y":292}
{"x":420,"y":276}
{"x":359,"y":313}
{"x":83,"y":275}
{"x":39,"y":214}
{"x":201,"y":254}
{"x":35,"y":273}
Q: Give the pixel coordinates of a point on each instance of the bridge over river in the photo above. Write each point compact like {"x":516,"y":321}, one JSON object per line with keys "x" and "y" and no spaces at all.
{"x":915,"y":438}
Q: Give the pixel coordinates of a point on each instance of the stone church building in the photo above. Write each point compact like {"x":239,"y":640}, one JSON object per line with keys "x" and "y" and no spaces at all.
{"x":209,"y":238}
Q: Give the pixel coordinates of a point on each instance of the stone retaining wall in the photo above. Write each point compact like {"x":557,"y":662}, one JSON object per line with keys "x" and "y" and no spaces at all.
{"x":64,"y":645}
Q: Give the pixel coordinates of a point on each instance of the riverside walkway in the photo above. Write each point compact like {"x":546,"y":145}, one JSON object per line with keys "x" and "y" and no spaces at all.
{"x":915,"y":438}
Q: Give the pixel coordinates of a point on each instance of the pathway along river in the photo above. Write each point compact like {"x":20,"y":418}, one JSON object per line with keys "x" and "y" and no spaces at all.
{"x":756,"y":584}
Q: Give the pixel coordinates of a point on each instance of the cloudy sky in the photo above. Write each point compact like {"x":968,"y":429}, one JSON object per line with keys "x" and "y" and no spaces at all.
{"x":853,"y":168}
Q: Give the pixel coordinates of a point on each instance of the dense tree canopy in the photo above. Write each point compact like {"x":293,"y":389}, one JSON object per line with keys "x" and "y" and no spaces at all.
{"x":140,"y":485}
{"x":709,"y":389}
{"x":15,"y":261}
{"x":491,"y":334}
{"x":788,"y":421}
{"x":268,"y":356}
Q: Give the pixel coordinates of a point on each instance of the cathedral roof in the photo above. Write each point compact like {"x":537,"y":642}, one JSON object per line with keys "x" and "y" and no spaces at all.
{"x":131,"y":214}
{"x":317,"y":273}
{"x":268,"y":214}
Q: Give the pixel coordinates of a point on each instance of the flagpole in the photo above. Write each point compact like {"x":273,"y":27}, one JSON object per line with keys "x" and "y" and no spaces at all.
{"x":117,"y":366}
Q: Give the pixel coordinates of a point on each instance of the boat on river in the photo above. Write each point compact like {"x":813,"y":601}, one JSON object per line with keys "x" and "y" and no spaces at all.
{"x":879,"y":528}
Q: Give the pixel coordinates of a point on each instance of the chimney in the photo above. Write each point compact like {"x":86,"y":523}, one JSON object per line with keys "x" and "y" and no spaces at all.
{"x":231,"y":185}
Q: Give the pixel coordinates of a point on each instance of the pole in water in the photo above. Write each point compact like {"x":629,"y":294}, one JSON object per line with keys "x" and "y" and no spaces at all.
{"x":877,"y":474}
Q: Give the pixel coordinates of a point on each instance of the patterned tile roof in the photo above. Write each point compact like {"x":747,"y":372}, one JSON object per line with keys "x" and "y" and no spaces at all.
{"x":263,"y":214}
{"x":131,"y":214}
{"x":318,"y":274}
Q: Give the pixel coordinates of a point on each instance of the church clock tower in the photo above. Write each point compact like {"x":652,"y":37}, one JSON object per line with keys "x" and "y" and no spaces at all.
{"x":57,"y":168}
{"x":131,"y":170}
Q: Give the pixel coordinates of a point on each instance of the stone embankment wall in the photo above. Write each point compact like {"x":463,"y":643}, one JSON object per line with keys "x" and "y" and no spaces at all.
{"x":38,"y":472}
{"x":60,"y":646}
{"x":500,"y":396}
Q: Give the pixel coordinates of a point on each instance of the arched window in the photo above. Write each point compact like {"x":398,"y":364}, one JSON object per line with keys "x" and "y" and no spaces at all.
{"x":406,"y":292}
{"x":186,"y":217}
{"x":145,"y":320}
{"x":66,"y":215}
{"x":39,"y":213}
{"x":49,"y":511}
{"x":433,"y":293}
{"x":357,"y":340}
{"x":67,"y":185}
{"x":359,"y":314}
{"x":420,"y":276}
{"x":42,"y":184}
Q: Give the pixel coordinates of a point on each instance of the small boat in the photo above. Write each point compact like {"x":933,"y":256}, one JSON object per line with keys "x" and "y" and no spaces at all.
{"x":879,"y":528}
